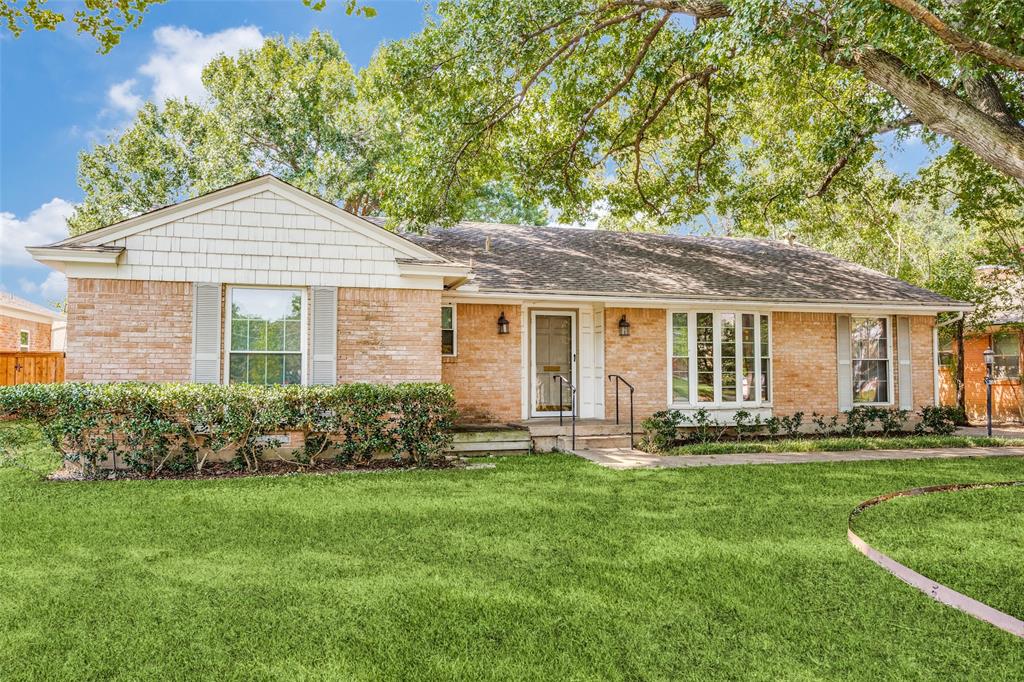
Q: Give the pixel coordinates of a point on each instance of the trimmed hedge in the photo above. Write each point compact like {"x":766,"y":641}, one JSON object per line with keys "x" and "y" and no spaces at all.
{"x":155,"y":428}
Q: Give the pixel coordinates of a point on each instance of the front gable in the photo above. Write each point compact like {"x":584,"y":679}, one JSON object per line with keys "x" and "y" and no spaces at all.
{"x":260,"y":232}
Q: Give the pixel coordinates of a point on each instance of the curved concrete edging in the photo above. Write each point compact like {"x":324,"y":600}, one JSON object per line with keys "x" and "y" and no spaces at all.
{"x":936,"y":591}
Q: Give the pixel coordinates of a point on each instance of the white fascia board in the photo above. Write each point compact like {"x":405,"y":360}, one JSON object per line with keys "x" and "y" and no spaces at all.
{"x":880,"y":307}
{"x":8,"y":310}
{"x":434,"y":270}
{"x":56,"y":257}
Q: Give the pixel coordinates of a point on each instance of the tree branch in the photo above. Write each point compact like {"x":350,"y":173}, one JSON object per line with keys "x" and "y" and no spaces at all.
{"x":958,"y":41}
{"x":844,"y":160}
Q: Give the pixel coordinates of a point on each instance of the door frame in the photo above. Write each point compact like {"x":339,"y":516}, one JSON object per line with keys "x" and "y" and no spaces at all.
{"x":574,"y":341}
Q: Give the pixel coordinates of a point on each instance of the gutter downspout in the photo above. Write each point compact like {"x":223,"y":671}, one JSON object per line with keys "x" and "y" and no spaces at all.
{"x":935,"y":352}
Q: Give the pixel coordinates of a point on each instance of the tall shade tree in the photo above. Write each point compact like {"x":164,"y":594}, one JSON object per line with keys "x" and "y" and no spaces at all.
{"x":293,"y":109}
{"x":670,"y":107}
{"x":104,"y":20}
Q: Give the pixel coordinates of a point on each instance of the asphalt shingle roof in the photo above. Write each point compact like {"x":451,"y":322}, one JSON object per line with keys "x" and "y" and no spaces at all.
{"x":526,"y":259}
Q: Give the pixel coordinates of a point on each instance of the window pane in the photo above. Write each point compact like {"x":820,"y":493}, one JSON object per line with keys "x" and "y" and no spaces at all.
{"x":1006,"y":344}
{"x":293,"y":368}
{"x":239,"y":335}
{"x":870,"y":338}
{"x":728,"y":351}
{"x":705,"y":357}
{"x":766,"y":376}
{"x":257,"y":335}
{"x":870,"y":381}
{"x":680,"y":335}
{"x":237,"y":368}
{"x":447,"y":342}
{"x":749,"y":366}
{"x":275,"y":369}
{"x":681,"y":380}
{"x":446,"y":317}
{"x":257,"y":371}
{"x":292,"y":335}
{"x":275,"y":335}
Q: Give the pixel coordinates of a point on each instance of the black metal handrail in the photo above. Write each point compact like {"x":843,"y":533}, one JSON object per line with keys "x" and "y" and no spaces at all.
{"x":617,"y":378}
{"x":563,"y":382}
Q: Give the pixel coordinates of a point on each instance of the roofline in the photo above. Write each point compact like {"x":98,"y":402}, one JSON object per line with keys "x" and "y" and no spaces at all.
{"x":315,"y":204}
{"x":16,"y":311}
{"x":807,"y":305}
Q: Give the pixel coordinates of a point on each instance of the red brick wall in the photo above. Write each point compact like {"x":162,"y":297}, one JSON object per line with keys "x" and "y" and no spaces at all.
{"x":804,"y":363}
{"x":129,"y":330}
{"x":10,"y":334}
{"x":389,"y":335}
{"x":486,"y":372}
{"x":641,"y":358}
{"x":1007,"y":395}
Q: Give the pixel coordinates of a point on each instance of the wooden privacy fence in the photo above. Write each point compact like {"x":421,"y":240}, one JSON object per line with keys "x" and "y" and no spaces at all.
{"x":31,"y":368}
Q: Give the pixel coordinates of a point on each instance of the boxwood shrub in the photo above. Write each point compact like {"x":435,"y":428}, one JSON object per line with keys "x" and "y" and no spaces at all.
{"x":160,"y":428}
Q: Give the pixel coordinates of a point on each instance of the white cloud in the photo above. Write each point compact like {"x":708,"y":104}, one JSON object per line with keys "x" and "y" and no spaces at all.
{"x":123,"y":96}
{"x":176,"y":66}
{"x":54,"y":287}
{"x":44,"y":225}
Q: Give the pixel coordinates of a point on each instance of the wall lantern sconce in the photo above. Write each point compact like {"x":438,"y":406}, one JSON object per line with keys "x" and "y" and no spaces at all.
{"x":623,"y":326}
{"x":502,"y":323}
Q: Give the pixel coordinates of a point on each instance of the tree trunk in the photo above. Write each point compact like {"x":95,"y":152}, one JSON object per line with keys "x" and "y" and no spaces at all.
{"x":961,"y":401}
{"x":998,"y":142}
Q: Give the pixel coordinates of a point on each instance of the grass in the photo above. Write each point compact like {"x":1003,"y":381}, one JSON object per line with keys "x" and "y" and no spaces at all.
{"x":841,"y":444}
{"x":544,"y":567}
{"x":972,"y":541}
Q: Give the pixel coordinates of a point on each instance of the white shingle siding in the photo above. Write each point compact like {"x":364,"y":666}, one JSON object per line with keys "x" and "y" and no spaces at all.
{"x":262,"y":239}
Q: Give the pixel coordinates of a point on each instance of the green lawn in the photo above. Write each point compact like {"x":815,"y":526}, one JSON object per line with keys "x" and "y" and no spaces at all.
{"x":972,"y":541}
{"x":842,"y":443}
{"x":544,"y":567}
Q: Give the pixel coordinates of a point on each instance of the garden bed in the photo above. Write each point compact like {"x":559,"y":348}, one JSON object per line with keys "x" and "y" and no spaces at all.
{"x":840,"y":444}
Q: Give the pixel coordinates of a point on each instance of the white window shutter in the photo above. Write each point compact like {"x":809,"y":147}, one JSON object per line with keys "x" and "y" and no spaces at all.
{"x":324,"y":346}
{"x":844,"y":367}
{"x":906,"y":381}
{"x":205,"y":333}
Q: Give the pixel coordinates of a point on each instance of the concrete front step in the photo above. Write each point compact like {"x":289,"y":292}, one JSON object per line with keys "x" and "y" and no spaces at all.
{"x":483,"y":440}
{"x":594,"y":442}
{"x":545,"y":427}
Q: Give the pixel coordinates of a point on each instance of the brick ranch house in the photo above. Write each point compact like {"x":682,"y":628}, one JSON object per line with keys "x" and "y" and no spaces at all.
{"x":262,"y":282}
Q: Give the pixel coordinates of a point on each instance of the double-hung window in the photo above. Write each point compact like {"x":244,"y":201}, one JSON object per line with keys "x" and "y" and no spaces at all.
{"x":870,"y":354}
{"x":1006,"y":363}
{"x":947,"y":358}
{"x":265,"y":336}
{"x":720,"y":358}
{"x":448,"y":346}
{"x":24,"y":339}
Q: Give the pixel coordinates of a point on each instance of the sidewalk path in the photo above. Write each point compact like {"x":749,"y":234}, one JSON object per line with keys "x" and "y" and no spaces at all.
{"x":624,"y":458}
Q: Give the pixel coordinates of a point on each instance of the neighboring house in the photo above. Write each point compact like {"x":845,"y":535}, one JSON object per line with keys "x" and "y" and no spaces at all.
{"x":25,"y":326}
{"x":263,"y":282}
{"x":1005,"y":336}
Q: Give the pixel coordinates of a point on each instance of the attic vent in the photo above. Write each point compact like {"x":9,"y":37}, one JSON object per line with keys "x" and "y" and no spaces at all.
{"x":487,"y":244}
{"x":791,"y":239}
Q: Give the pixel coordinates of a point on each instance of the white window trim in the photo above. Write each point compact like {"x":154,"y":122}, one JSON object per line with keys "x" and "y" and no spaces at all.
{"x":28,"y":343}
{"x":455,"y":331}
{"x":691,"y":331}
{"x":303,"y":323}
{"x":890,"y":332}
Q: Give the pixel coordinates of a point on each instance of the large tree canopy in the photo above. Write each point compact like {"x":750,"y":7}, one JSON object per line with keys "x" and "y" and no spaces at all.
{"x":757,"y":111}
{"x":289,"y":108}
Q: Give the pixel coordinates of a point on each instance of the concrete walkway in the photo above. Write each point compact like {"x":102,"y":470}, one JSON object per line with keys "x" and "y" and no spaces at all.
{"x":624,"y":458}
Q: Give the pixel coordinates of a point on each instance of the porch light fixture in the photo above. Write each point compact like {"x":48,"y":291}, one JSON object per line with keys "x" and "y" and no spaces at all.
{"x":623,"y":326}
{"x":502,"y":323}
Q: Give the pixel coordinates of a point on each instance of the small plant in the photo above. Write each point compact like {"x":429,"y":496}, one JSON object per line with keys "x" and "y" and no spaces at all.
{"x":940,"y":419}
{"x":826,"y":427}
{"x":857,"y":421}
{"x":773,"y":425}
{"x":661,"y":430}
{"x":706,"y":429}
{"x":892,"y":421}
{"x":791,"y":424}
{"x":745,"y":423}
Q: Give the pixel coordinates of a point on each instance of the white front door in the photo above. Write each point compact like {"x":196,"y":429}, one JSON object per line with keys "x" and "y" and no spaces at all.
{"x":554,"y":354}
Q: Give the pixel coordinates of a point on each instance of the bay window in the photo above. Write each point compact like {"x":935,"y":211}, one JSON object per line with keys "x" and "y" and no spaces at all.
{"x":265,"y":334}
{"x":869,"y":354}
{"x":719,"y":358}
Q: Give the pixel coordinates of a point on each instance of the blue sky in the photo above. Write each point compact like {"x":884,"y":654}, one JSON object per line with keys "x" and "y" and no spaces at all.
{"x":58,"y":96}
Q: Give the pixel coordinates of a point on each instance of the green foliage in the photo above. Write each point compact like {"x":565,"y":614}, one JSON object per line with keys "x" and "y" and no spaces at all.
{"x":661,"y":430}
{"x":104,"y":20}
{"x":940,"y":419}
{"x":706,"y":428}
{"x":292,"y":108}
{"x":790,"y":424}
{"x":153,"y":428}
